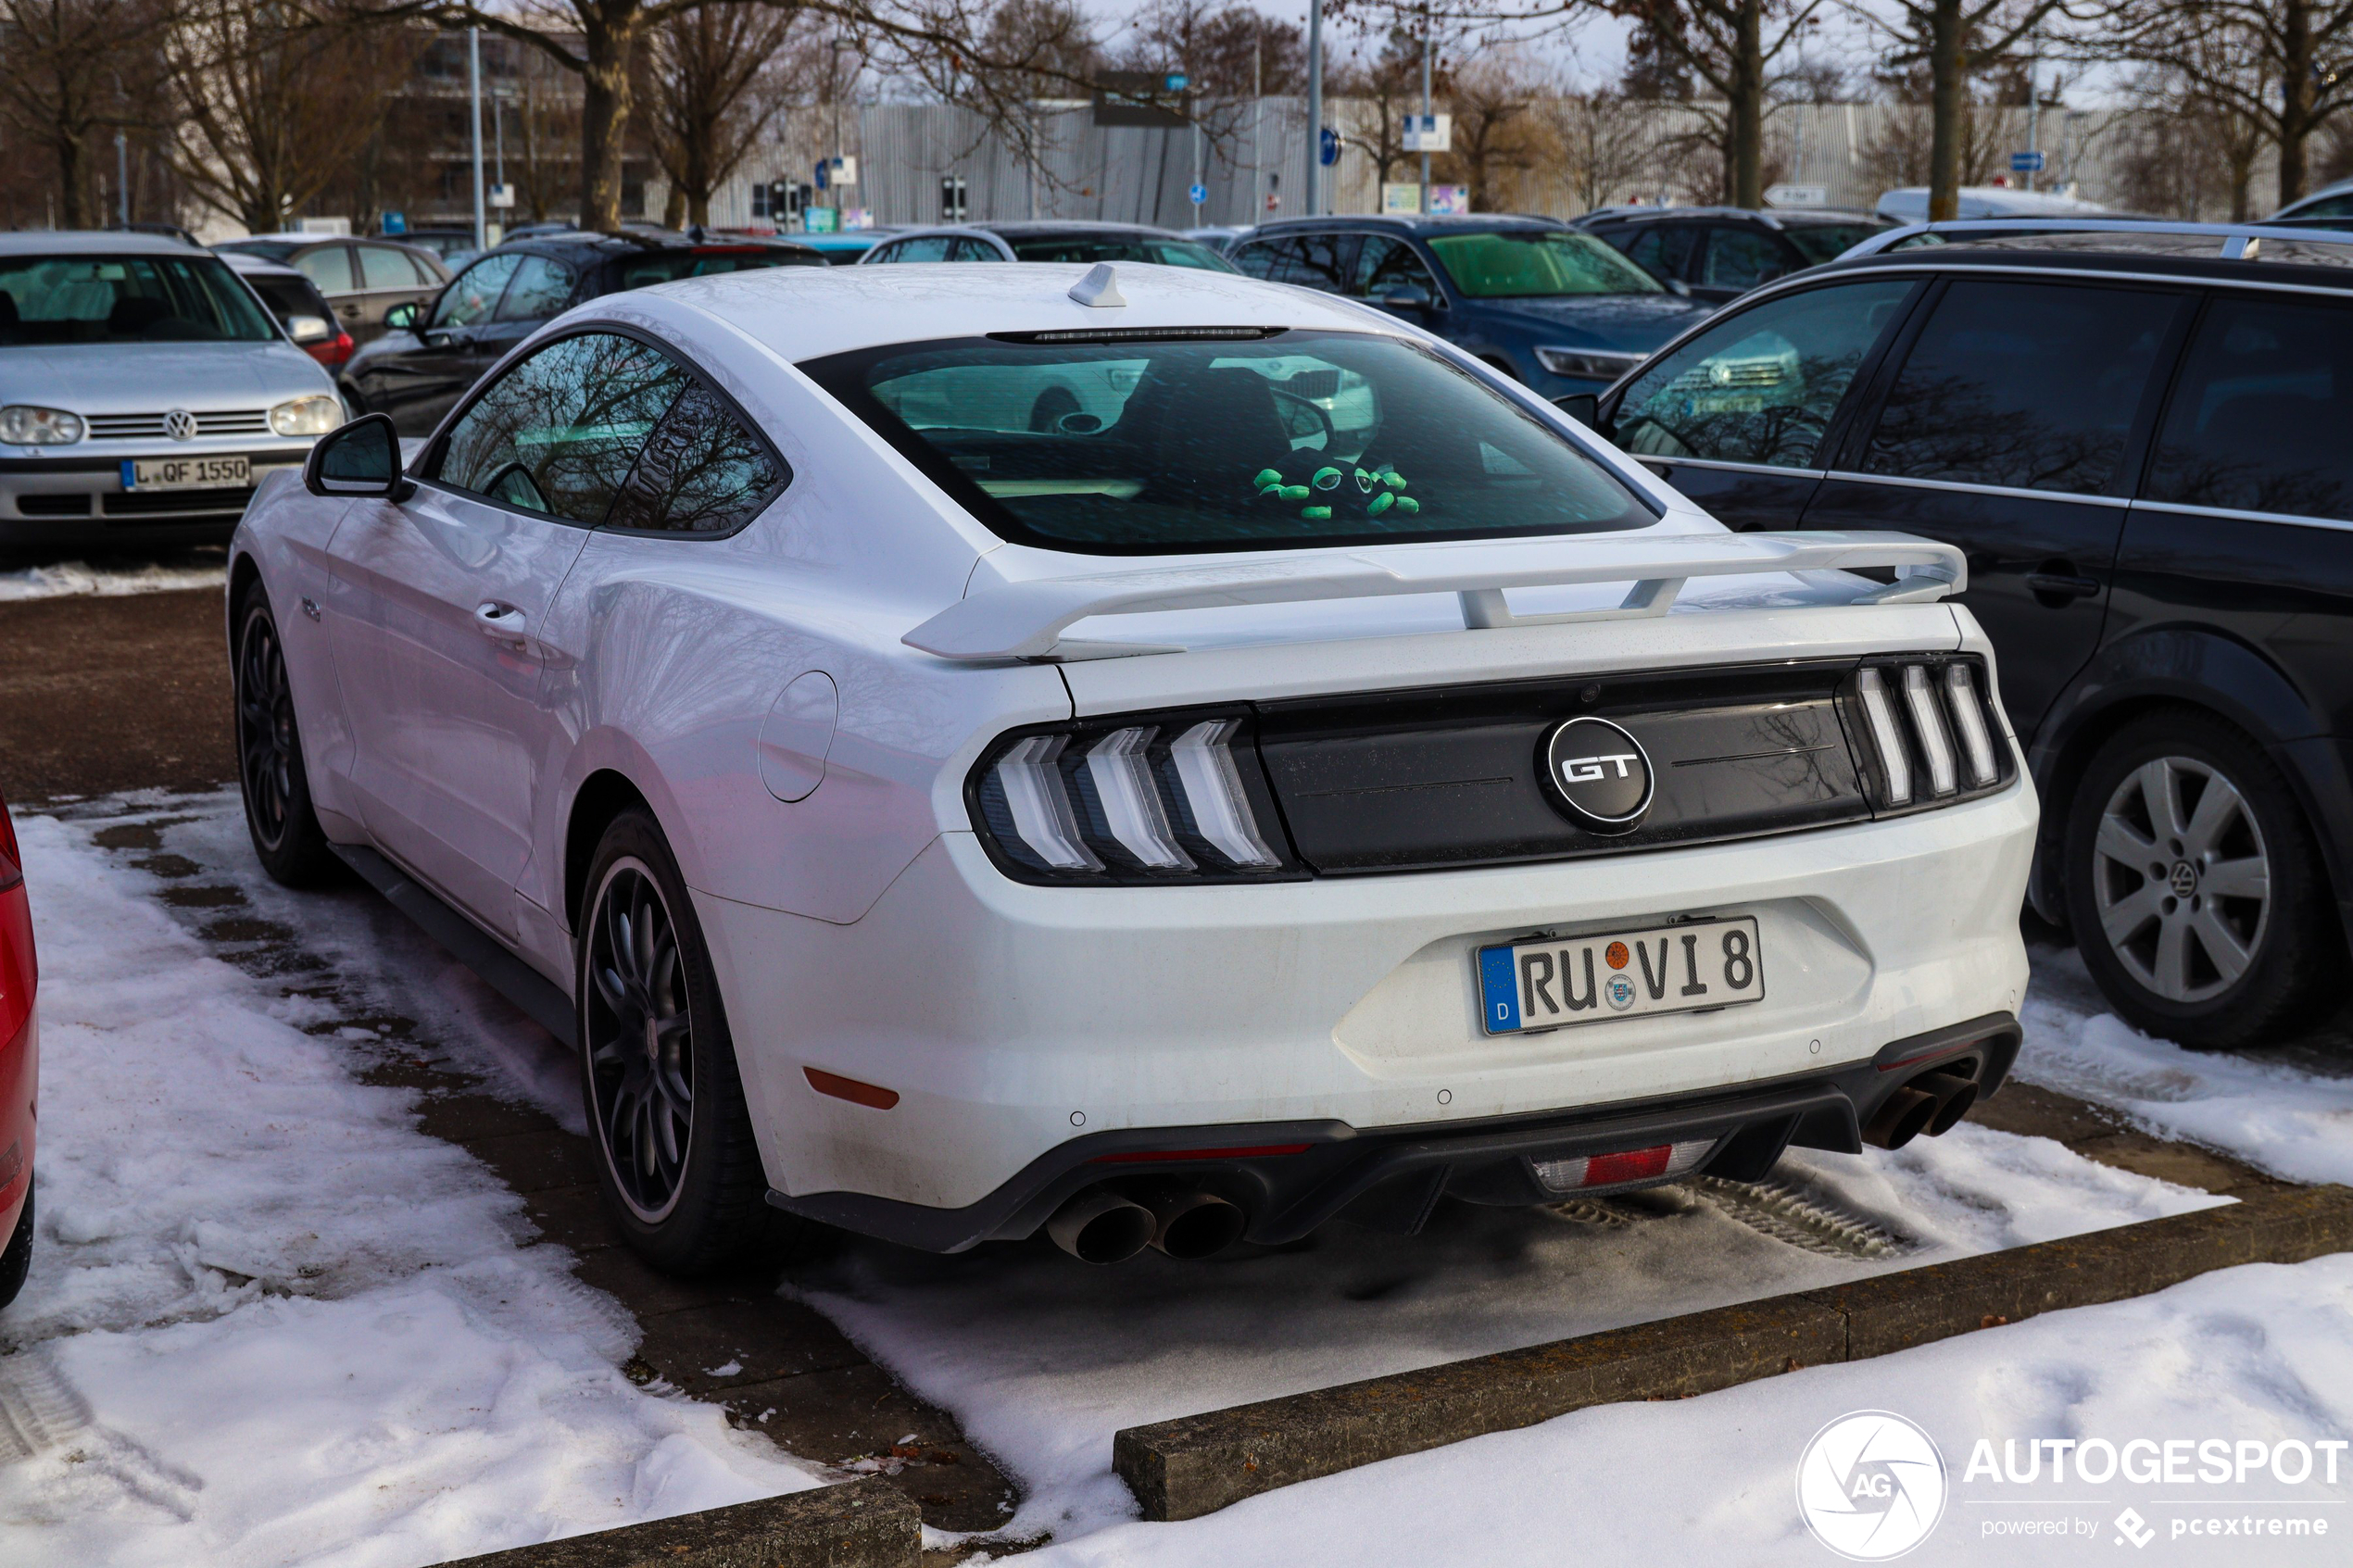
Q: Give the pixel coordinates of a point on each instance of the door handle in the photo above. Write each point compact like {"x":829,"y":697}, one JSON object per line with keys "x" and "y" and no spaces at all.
{"x":2060,"y":588}
{"x":501,"y":623}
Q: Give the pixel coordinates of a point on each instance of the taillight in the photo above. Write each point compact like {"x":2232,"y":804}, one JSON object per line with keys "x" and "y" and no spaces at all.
{"x":1926,"y":731}
{"x":1143,"y":799}
{"x":332,"y":352}
{"x":1661,"y":1162}
{"x":17,"y":970}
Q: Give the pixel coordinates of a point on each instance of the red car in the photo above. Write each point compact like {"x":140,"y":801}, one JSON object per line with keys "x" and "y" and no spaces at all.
{"x":19,"y":1063}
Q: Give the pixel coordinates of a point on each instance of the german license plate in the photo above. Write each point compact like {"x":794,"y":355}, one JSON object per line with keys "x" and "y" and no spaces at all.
{"x":1701,"y":964}
{"x":187,"y":473}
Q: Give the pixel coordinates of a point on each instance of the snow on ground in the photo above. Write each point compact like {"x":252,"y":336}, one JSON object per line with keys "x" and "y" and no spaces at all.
{"x":227,"y":1210}
{"x":271,"y":1323}
{"x":2288,"y":1113}
{"x":2257,"y":1354}
{"x":75,"y":577}
{"x":1042,"y":1361}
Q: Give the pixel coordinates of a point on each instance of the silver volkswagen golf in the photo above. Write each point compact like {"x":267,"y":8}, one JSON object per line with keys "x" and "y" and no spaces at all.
{"x":143,"y":392}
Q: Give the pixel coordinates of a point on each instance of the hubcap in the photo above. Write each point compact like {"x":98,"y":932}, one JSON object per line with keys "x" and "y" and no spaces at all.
{"x":640,"y":1040}
{"x":264,"y":731}
{"x":2182,"y":879}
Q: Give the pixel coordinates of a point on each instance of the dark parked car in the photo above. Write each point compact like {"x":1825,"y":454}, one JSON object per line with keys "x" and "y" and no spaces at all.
{"x":433,"y":354}
{"x":297,"y":306}
{"x":1720,"y":253}
{"x":1046,"y":240}
{"x":2143,"y":449}
{"x":364,"y":280}
{"x":1556,"y":310}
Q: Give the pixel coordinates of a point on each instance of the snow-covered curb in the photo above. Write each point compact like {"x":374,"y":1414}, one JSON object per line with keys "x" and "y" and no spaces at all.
{"x":64,"y":578}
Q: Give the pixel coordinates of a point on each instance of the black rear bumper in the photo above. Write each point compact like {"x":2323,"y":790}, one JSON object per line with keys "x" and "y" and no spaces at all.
{"x":1291,"y":1176}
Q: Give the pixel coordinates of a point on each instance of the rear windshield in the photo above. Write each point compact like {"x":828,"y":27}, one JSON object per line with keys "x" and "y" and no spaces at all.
{"x":1249,"y":441}
{"x":291,"y":296}
{"x":1089,"y":248}
{"x":1827,"y":242}
{"x":47,"y":300}
{"x":1531,"y":263}
{"x":664,"y":267}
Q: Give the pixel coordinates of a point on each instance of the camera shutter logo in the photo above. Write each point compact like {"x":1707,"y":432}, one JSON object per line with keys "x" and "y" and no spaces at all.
{"x":1871,"y":1486}
{"x":179,"y":424}
{"x":1599,"y":774}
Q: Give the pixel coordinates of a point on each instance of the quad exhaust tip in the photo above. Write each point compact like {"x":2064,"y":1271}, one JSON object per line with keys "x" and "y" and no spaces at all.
{"x":1100,"y":1225}
{"x":1932,"y":1103}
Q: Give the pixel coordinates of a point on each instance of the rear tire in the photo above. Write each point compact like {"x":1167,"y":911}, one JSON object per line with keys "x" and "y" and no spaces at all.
{"x":286,"y":835}
{"x":676,"y":1159}
{"x":2195,"y":889}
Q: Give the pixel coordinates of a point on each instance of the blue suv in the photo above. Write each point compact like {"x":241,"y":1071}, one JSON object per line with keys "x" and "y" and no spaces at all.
{"x":1558,"y":311}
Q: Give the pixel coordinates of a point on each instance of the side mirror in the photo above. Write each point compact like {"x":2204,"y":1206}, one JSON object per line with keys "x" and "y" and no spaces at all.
{"x":402,"y":318}
{"x":1585,"y":408}
{"x":309,"y":329}
{"x":1412,"y":296}
{"x":1676,"y":286}
{"x":360,"y":459}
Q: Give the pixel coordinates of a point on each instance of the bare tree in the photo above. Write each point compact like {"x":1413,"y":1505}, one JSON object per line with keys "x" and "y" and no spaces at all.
{"x":1604,"y":144}
{"x":69,"y":70}
{"x":2272,"y":62}
{"x":1215,"y":44}
{"x":718,"y":78}
{"x":273,"y":102}
{"x":1388,"y":82}
{"x":1955,"y":40}
{"x":1731,"y":46}
{"x":1490,"y":99}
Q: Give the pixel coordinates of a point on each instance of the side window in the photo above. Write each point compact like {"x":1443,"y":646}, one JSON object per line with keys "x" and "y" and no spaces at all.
{"x":558,"y":431}
{"x":380,"y":267}
{"x":1385,"y":266}
{"x":1660,"y":249}
{"x":538,"y":291}
{"x":1741,"y":258}
{"x":2260,"y":414}
{"x":1321,"y":262}
{"x":2328,"y":206}
{"x":2028,"y":385}
{"x":969,"y":249}
{"x":474,"y":294}
{"x":329,"y":267}
{"x":1762,"y":387}
{"x":1261,"y":259}
{"x":702,"y":472}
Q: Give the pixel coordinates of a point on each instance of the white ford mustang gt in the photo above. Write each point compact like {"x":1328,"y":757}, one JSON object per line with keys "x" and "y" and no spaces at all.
{"x":1155,"y":756}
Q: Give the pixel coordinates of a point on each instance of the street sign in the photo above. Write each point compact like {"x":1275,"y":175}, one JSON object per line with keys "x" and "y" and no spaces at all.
{"x":1197,"y":194}
{"x":2026,"y":163}
{"x":395,"y":222}
{"x":1175,"y":81}
{"x":1429,"y":132}
{"x":1396,"y":198}
{"x":818,"y":220}
{"x":825,"y":175}
{"x":1327,"y":151}
{"x":1797,"y":195}
{"x":502,"y":195}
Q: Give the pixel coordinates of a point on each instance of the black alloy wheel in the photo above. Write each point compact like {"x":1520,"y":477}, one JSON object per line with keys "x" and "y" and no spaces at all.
{"x":677,"y":1161}
{"x":286,"y":836}
{"x":2195,"y":889}
{"x":640,"y":1041}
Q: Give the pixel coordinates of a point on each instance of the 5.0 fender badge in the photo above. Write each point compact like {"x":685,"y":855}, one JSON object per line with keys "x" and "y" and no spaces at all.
{"x":1599,"y":774}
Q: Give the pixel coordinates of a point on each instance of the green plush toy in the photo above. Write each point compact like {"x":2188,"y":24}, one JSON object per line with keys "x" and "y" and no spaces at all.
{"x":1378,"y":492}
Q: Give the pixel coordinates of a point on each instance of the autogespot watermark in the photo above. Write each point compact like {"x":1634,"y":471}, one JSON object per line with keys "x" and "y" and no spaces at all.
{"x":1872,"y":1486}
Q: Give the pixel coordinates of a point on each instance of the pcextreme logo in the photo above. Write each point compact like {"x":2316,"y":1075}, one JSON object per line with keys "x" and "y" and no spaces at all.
{"x":1871,"y":1486}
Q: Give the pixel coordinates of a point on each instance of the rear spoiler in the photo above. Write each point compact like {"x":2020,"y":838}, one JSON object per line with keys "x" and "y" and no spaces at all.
{"x":1026,"y":619}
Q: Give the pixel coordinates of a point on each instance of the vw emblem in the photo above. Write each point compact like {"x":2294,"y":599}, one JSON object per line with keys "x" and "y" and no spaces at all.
{"x":179,"y":424}
{"x":1600,"y":773}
